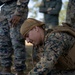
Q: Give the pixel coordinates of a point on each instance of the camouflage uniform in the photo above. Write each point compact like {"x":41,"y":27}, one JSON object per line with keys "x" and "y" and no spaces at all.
{"x":51,"y":16}
{"x":70,"y":16}
{"x":54,"y":46}
{"x":10,"y":38}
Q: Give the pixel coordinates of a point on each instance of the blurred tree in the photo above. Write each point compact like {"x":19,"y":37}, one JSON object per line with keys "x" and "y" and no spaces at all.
{"x":34,"y":9}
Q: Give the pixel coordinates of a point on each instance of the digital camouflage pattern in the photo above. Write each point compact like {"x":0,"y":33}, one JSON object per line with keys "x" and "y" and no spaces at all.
{"x":54,"y":46}
{"x":51,"y":9}
{"x":5,"y":44}
{"x":11,"y":40}
{"x":70,"y":15}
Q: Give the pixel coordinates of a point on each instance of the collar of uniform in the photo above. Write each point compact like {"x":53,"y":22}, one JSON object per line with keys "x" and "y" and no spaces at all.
{"x":47,"y":32}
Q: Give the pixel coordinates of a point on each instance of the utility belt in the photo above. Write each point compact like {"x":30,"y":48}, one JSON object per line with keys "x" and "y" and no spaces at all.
{"x":9,"y":2}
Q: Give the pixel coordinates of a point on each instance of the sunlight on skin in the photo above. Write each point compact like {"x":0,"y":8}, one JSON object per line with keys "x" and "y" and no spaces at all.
{"x":29,"y":44}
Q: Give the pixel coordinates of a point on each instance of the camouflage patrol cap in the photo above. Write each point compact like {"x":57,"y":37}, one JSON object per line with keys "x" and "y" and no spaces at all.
{"x":29,"y":24}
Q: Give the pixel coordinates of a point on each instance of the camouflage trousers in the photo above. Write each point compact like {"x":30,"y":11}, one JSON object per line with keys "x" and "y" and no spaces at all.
{"x":55,"y":72}
{"x":11,"y":42}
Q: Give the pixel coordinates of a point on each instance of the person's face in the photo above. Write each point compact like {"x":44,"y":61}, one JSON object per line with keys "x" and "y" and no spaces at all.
{"x":34,"y":36}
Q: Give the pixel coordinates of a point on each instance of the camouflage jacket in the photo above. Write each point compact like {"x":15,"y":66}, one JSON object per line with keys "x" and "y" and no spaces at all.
{"x":54,"y":46}
{"x":15,"y":7}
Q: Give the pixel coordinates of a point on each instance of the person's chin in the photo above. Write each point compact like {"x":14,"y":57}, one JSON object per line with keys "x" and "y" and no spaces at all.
{"x":38,"y":44}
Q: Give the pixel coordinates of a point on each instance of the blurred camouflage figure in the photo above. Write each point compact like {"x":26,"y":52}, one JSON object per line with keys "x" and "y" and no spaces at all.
{"x":54,"y":47}
{"x":51,"y":9}
{"x":13,"y":13}
{"x":70,"y":15}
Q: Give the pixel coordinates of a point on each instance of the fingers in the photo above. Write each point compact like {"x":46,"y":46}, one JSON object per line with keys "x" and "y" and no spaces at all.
{"x":15,"y":20}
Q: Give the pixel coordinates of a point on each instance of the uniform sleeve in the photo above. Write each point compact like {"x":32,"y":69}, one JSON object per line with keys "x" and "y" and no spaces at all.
{"x":42,"y":7}
{"x":57,"y":8}
{"x":21,"y":8}
{"x":52,"y":50}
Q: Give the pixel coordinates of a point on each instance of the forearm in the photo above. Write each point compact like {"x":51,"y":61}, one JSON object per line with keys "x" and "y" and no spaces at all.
{"x":56,"y":9}
{"x":41,"y":68}
{"x":42,"y":10}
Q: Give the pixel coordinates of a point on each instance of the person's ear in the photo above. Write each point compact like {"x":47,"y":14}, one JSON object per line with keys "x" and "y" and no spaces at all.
{"x":37,"y":28}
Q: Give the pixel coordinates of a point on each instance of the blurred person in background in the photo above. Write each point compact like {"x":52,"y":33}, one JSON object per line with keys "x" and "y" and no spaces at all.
{"x":51,"y":10}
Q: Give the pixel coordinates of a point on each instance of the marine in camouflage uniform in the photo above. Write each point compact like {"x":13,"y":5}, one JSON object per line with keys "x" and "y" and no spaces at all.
{"x":14,"y":12}
{"x":50,"y":48}
{"x":51,"y":9}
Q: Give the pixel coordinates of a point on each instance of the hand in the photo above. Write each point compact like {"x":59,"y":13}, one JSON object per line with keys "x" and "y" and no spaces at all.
{"x":48,"y":10}
{"x":15,"y":20}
